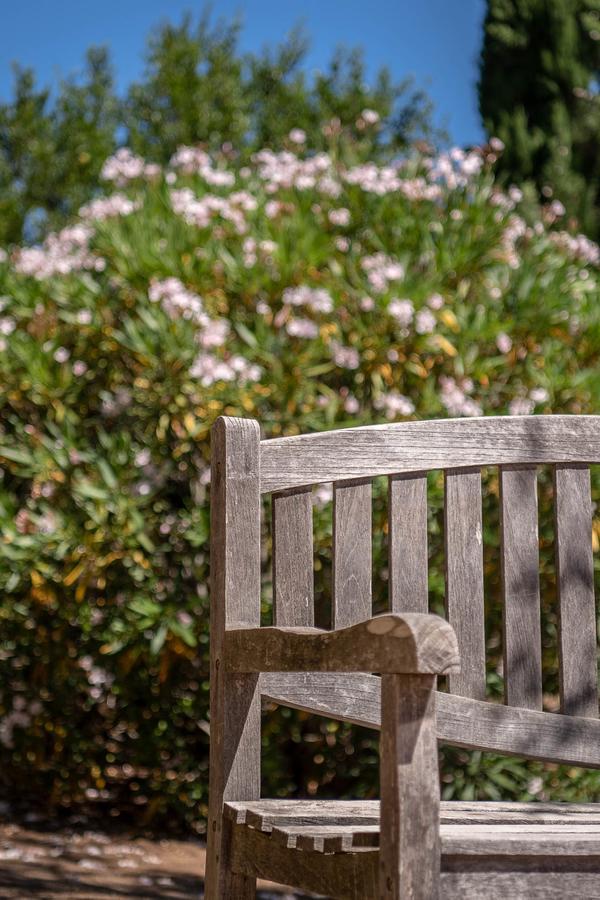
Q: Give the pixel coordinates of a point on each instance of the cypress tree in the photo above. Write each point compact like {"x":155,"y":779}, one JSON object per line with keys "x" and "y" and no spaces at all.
{"x":539,"y":93}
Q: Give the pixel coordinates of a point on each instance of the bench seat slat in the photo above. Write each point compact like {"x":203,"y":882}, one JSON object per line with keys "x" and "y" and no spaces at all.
{"x":520,"y":830}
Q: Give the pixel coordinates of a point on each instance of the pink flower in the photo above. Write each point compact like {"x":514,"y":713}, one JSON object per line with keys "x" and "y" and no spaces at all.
{"x":302,"y":328}
{"x":297,"y":136}
{"x":79,"y":368}
{"x":394,"y":404}
{"x":436,"y":301}
{"x":322,"y":495}
{"x":370,"y":116}
{"x":503,"y":343}
{"x":425,"y":322}
{"x":521,"y":406}
{"x":345,"y":357}
{"x":61,"y":355}
{"x":539,"y":395}
{"x":339,"y":216}
{"x":402,"y":311}
{"x":351,"y":404}
{"x":454,"y":397}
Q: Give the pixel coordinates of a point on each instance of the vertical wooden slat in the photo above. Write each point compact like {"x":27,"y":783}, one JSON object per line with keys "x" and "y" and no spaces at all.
{"x":577,"y":643}
{"x":521,"y":587}
{"x":464,"y":578}
{"x":352,"y":553}
{"x":293,"y":564}
{"x":234,"y":600}
{"x":409,"y":856}
{"x":408,"y":563}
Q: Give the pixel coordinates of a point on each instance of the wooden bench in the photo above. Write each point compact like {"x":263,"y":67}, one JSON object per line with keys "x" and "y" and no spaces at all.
{"x":409,"y":845}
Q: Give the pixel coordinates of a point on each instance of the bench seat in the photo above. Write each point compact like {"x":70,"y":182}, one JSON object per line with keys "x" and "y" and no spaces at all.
{"x":489,"y":850}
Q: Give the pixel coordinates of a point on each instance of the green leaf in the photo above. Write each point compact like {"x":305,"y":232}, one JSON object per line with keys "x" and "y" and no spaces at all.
{"x":158,"y":640}
{"x":246,"y":335}
{"x":18,"y":456}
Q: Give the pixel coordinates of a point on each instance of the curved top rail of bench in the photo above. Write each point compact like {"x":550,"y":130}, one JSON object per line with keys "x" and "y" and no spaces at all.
{"x":403,"y":447}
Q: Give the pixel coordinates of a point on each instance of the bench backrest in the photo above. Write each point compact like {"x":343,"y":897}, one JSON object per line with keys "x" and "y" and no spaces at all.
{"x":289,"y":467}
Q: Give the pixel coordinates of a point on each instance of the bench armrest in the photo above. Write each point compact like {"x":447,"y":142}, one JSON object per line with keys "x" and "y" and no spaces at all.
{"x":412,"y":643}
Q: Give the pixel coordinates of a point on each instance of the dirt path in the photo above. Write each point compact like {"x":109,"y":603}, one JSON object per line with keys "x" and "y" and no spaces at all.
{"x":65,"y":865}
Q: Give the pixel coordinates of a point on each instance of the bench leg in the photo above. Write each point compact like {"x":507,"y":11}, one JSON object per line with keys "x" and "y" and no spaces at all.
{"x":221,"y":882}
{"x":409,"y":865}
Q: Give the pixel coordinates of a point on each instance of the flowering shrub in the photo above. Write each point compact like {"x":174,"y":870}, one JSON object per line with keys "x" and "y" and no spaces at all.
{"x":309,"y":291}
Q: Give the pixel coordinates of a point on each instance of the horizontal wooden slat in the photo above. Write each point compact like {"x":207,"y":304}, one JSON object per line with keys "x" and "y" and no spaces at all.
{"x":461,"y":721}
{"x":495,"y":872}
{"x":263,"y":814}
{"x":344,"y":455}
{"x":362,"y":814}
{"x":329,"y":826}
{"x":412,"y":643}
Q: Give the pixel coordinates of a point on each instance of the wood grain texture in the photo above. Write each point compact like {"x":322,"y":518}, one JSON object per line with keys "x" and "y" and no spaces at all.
{"x":409,"y":857}
{"x":577,"y":645}
{"x":327,"y":838}
{"x":435,"y":444}
{"x":235,"y":599}
{"x":264,"y":814}
{"x":412,"y":643}
{"x":352,"y":553}
{"x":521,"y":587}
{"x":361,"y":814}
{"x":408,"y":562}
{"x":353,"y":875}
{"x":293,"y":564}
{"x":344,"y":876}
{"x":463,"y":538}
{"x":461,"y":721}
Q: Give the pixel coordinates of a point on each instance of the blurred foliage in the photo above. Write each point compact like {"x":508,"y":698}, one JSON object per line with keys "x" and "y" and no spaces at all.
{"x":539,"y":93}
{"x":197,"y":87}
{"x":309,"y":290}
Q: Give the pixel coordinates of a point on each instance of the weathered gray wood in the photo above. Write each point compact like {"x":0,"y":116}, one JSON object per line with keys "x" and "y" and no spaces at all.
{"x":461,"y":721}
{"x":409,"y":857}
{"x":520,"y":883}
{"x":264,"y":814}
{"x":352,"y":553}
{"x":463,"y":533}
{"x":408,"y":563}
{"x":363,"y":815}
{"x":326,"y":838}
{"x":347,"y":876}
{"x":391,"y":643}
{"x":436,"y":444}
{"x":488,"y":850}
{"x":235,"y":598}
{"x":293,"y":564}
{"x":354,"y":875}
{"x":521,"y":587}
{"x":577,"y":645}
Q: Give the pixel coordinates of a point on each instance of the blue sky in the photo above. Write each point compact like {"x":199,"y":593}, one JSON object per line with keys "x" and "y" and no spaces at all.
{"x":436,"y":41}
